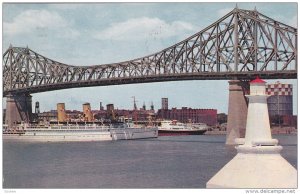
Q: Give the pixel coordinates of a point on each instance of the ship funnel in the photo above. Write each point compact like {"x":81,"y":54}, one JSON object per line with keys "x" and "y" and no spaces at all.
{"x":61,"y":113}
{"x":110,"y":112}
{"x":87,"y":112}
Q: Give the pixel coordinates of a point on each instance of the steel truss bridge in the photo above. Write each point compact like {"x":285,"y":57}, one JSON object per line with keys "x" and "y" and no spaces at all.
{"x":240,"y":45}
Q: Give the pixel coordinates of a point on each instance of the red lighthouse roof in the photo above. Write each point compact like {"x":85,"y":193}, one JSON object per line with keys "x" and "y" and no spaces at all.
{"x":257,"y":80}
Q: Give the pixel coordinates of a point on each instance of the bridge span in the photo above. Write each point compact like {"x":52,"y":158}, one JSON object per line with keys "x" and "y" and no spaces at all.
{"x":241,"y":45}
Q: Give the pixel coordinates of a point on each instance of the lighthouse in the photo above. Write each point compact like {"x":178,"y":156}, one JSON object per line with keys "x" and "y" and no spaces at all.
{"x":258,"y":163}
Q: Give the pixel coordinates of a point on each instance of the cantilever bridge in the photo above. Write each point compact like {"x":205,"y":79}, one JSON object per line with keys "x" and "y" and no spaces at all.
{"x":240,"y":45}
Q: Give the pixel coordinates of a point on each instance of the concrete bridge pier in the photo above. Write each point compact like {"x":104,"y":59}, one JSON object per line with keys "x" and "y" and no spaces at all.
{"x":237,"y":111}
{"x":18,"y":109}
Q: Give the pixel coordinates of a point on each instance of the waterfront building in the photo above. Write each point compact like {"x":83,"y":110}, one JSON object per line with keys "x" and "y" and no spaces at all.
{"x":164,"y":104}
{"x":185,"y":115}
{"x":280,"y":103}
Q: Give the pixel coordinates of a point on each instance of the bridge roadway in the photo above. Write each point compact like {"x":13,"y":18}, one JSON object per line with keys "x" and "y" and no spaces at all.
{"x":155,"y":78}
{"x":241,"y":45}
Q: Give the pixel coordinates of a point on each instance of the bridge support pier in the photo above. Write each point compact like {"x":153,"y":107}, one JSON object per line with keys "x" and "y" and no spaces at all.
{"x":18,"y":109}
{"x":237,"y":111}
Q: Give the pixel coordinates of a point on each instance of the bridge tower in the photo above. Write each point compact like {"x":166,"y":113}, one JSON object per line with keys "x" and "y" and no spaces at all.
{"x":18,"y":109}
{"x":237,"y":110}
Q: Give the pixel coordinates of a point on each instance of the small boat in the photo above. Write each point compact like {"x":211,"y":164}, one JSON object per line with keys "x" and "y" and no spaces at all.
{"x":170,"y":128}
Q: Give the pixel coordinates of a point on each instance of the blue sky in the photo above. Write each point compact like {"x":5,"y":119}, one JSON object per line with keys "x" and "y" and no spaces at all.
{"x":90,"y":34}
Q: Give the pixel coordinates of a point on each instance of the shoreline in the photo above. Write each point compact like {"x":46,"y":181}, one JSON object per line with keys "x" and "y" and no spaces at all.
{"x":274,"y":131}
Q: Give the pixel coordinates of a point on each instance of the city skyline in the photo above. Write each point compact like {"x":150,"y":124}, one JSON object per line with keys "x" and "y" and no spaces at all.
{"x":112,"y":32}
{"x":104,"y":107}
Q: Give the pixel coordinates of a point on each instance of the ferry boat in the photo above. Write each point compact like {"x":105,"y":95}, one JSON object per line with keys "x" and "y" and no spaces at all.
{"x":129,"y":130}
{"x":169,"y":128}
{"x":60,"y":133}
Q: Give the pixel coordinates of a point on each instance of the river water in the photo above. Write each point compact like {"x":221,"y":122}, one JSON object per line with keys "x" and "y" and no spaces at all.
{"x":165,"y":162}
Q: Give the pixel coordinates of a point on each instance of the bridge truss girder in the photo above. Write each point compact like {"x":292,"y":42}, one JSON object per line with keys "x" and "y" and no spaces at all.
{"x":240,"y":45}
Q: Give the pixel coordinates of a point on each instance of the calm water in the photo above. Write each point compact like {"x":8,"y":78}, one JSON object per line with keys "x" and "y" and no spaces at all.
{"x":166,"y":162}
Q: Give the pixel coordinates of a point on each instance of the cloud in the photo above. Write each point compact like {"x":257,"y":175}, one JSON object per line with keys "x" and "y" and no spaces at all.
{"x":38,"y":21}
{"x":65,"y":6}
{"x":142,"y":28}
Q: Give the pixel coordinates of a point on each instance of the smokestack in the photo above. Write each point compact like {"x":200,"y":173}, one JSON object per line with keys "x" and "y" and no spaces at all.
{"x":87,"y":112}
{"x":37,"y":107}
{"x":110,"y":112}
{"x":101,"y":107}
{"x":61,"y":113}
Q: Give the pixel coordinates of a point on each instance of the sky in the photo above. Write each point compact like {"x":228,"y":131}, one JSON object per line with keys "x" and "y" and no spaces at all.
{"x":102,"y":33}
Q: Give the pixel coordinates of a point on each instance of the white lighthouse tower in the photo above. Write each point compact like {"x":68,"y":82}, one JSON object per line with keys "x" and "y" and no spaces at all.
{"x":258,"y":163}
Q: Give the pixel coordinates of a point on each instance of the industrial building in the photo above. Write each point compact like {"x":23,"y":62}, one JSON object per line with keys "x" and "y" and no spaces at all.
{"x":280,"y":103}
{"x":142,"y":115}
{"x":164,"y":104}
{"x":280,"y":107}
{"x":185,"y":114}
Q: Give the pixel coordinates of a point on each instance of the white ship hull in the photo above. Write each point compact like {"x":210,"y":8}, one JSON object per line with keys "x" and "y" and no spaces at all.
{"x":170,"y":128}
{"x":101,"y":136}
{"x":77,"y":134}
